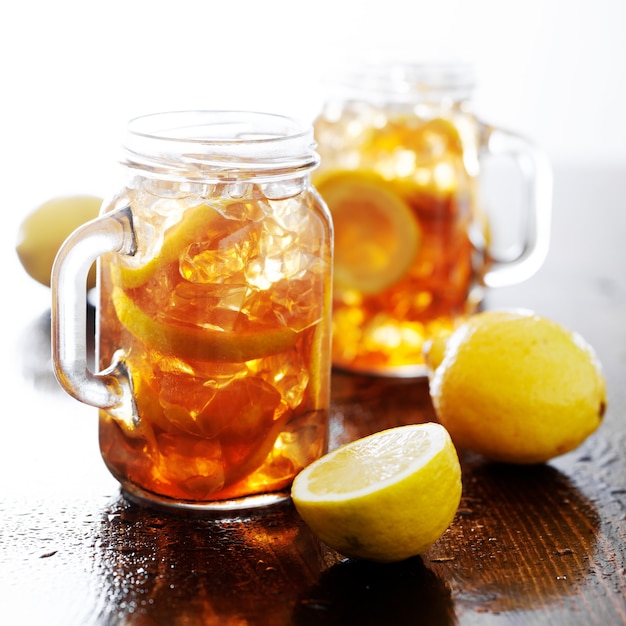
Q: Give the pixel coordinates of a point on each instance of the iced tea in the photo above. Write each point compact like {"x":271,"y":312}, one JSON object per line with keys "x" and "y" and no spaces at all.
{"x":221,"y":319}
{"x":410,"y":239}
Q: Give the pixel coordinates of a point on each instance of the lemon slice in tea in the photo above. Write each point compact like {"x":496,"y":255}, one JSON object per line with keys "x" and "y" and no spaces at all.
{"x":197,"y":342}
{"x":385,"y":497}
{"x":376,"y":233}
{"x":196,"y":225}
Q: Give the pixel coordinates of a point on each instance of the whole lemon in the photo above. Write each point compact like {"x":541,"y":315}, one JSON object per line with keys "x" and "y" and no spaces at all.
{"x":44,"y":230}
{"x":516,"y":387}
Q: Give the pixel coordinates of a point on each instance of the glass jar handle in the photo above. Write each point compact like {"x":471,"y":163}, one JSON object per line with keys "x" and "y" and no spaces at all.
{"x":536,"y":174}
{"x":110,"y":389}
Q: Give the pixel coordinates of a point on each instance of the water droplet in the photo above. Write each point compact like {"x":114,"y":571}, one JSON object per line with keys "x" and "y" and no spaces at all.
{"x":442,"y":559}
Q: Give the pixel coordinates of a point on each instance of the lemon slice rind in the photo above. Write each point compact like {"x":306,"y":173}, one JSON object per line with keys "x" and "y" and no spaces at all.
{"x":200,"y":343}
{"x":194,"y":225}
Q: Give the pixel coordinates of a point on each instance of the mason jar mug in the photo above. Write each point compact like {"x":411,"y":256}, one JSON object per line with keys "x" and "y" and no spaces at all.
{"x":403,"y":160}
{"x":213,"y":322}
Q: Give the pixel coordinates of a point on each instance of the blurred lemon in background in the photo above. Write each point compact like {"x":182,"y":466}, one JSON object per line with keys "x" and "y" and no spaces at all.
{"x":44,"y":230}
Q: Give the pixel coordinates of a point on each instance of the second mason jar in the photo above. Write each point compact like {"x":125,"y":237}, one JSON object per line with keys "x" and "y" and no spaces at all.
{"x":213,"y":337}
{"x":401,"y":156}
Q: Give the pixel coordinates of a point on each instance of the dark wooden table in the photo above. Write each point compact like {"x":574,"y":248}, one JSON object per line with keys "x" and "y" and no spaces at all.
{"x":532,"y":545}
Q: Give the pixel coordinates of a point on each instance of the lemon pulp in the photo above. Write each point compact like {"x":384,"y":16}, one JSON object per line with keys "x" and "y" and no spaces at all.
{"x":388,"y":456}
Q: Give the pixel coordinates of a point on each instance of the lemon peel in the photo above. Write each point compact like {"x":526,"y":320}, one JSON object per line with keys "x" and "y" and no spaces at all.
{"x":385,"y":497}
{"x":376,"y":233}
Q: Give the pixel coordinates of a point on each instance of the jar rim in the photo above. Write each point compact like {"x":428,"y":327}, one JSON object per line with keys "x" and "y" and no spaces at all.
{"x":219,"y":140}
{"x":399,"y":80}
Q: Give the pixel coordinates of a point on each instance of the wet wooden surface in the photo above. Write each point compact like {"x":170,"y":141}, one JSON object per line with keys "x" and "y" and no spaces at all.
{"x":533,"y":545}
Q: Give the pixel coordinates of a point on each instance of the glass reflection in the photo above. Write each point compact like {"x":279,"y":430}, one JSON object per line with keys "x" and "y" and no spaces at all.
{"x":157,"y":568}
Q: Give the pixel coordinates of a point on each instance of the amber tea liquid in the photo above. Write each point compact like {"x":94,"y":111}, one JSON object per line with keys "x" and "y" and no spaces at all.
{"x":223,"y":315}
{"x":410,"y":239}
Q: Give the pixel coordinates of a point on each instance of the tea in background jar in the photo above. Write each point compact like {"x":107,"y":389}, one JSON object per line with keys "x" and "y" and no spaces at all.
{"x":401,"y":154}
{"x":213,"y":323}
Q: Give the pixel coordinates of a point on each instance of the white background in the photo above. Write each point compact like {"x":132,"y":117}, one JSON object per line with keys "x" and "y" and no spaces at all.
{"x":73,"y":72}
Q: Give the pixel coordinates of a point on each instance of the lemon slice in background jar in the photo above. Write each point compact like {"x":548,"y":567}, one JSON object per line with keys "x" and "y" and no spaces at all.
{"x":196,"y":342}
{"x":376,"y":233}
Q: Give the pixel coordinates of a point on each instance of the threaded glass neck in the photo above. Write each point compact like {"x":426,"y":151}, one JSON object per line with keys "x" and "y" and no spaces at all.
{"x":214,"y":144}
{"x":402,"y":82}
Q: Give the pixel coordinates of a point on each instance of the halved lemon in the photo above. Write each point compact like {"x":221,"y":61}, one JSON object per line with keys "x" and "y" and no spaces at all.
{"x":376,"y":233}
{"x":385,"y":497}
{"x":197,"y":342}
